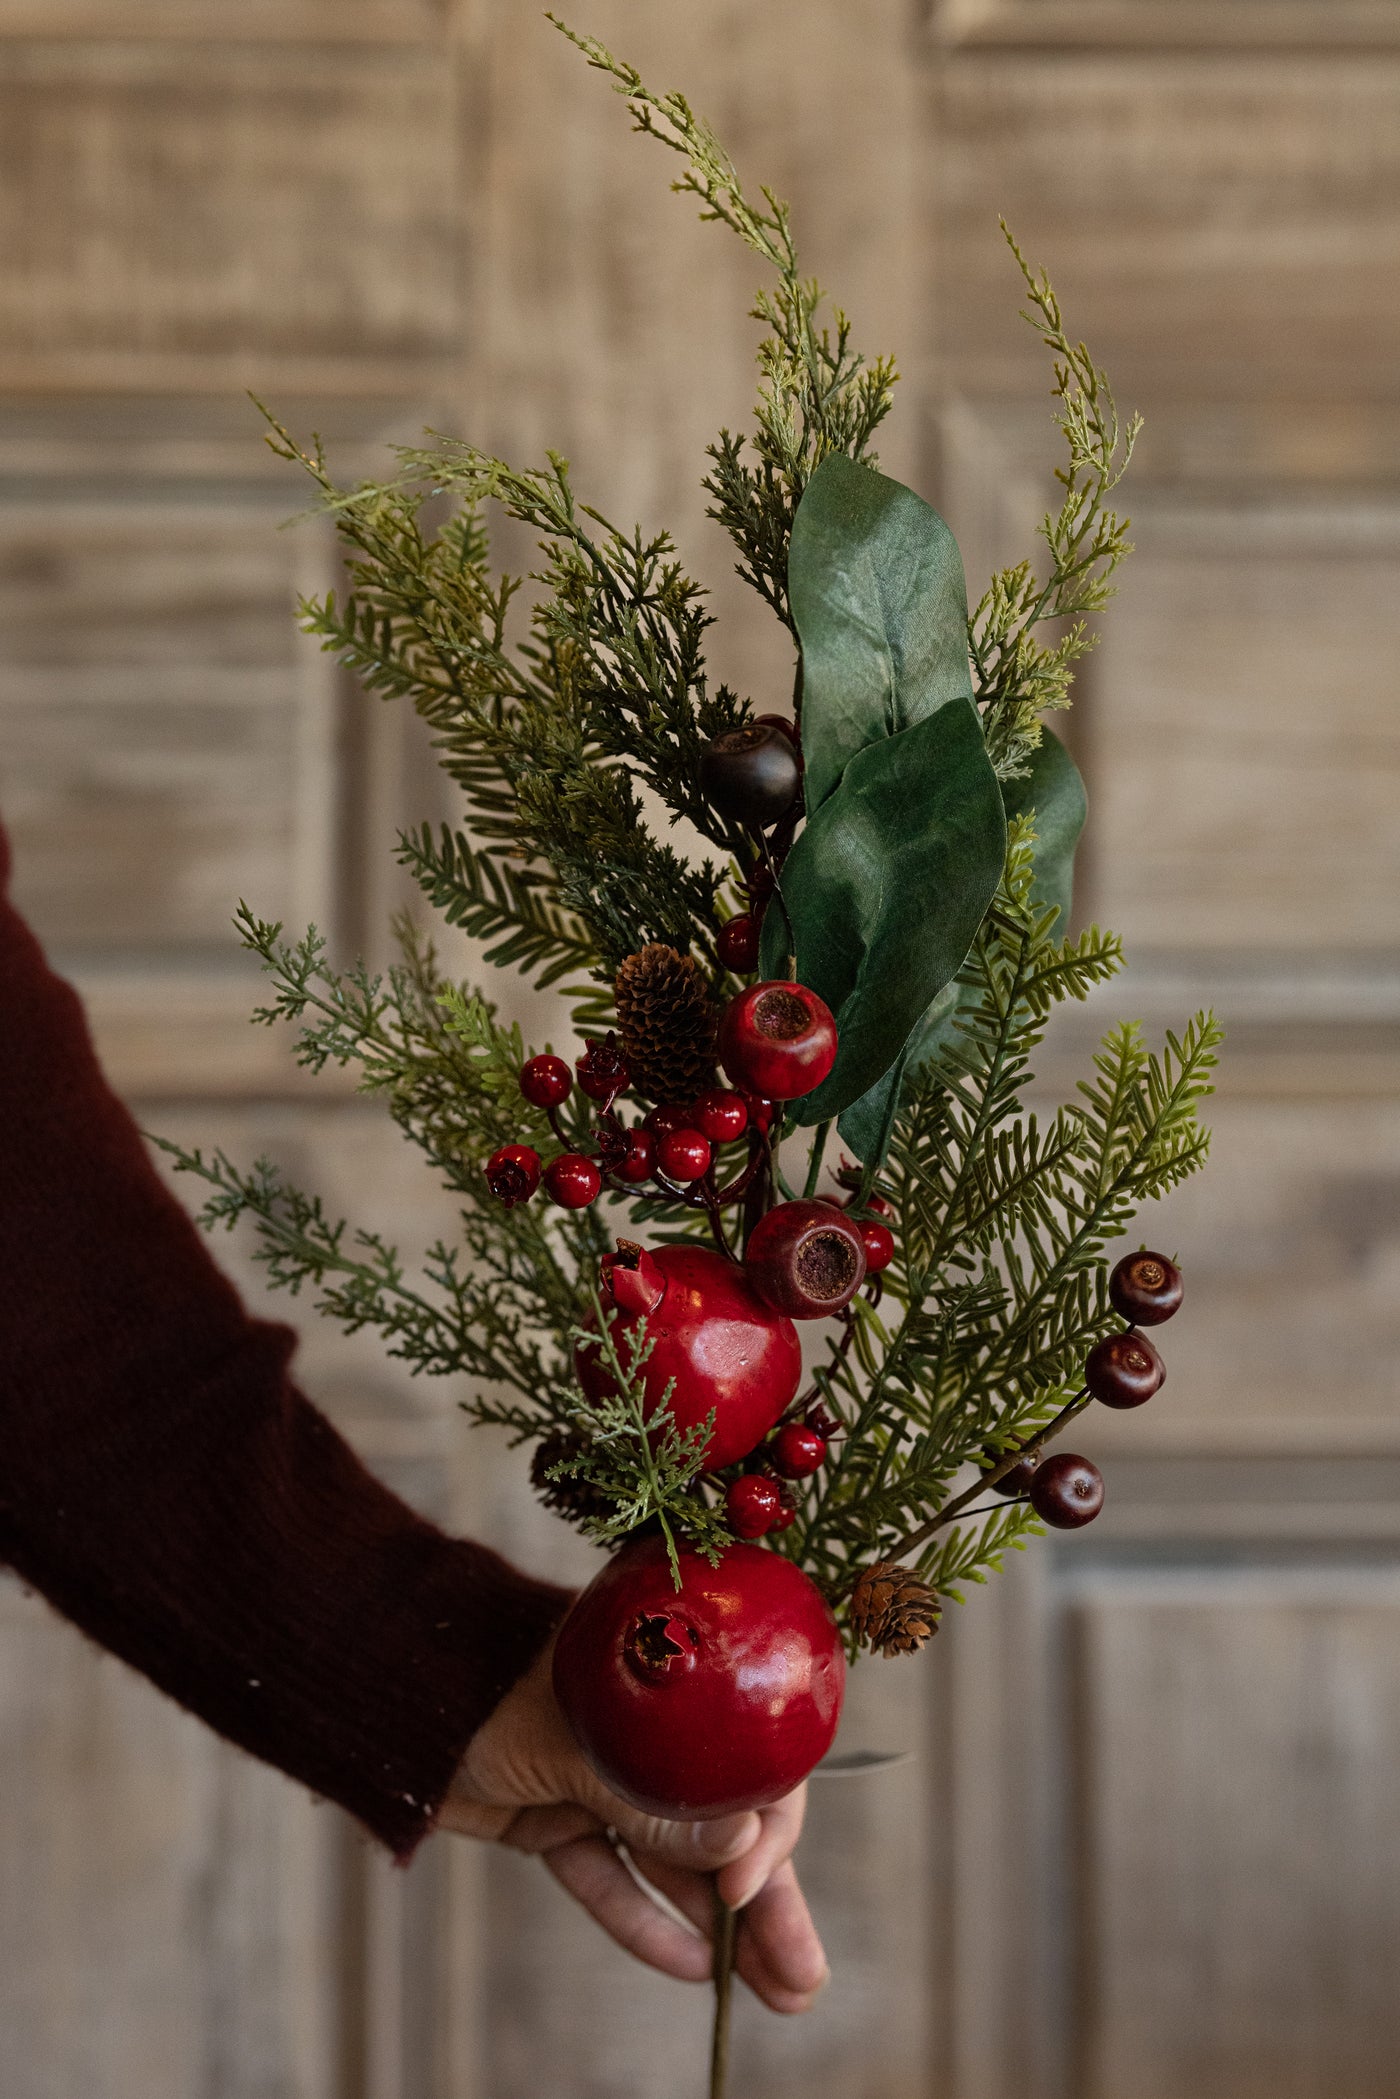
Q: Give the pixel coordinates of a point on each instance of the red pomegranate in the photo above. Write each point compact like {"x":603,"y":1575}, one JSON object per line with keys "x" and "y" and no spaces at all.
{"x":704,"y":1700}
{"x":710,"y":1332}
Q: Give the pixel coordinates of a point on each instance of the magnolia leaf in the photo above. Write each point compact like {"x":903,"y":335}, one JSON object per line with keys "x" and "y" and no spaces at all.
{"x":1053,"y":793}
{"x":876,"y":586}
{"x":886,"y":887}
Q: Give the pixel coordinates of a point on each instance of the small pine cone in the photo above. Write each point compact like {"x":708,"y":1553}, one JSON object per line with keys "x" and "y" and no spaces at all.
{"x":574,"y":1498}
{"x":893,"y":1609}
{"x":667,"y":1022}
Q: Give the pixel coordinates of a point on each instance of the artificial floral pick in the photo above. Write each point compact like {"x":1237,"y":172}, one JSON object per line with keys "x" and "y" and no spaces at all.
{"x":879,"y":944}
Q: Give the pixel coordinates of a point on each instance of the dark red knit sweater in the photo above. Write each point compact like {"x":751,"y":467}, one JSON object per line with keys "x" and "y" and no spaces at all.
{"x":168,"y":1489}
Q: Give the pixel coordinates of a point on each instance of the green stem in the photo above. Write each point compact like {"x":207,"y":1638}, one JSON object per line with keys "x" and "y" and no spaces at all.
{"x":726,"y":1930}
{"x":814,"y":1160}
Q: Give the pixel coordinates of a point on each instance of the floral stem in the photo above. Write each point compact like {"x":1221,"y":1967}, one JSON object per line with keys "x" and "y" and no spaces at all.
{"x":726,"y":1922}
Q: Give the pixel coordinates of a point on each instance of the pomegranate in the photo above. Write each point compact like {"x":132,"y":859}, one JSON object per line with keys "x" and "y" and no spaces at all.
{"x":704,"y":1700}
{"x":710,"y":1332}
{"x":806,"y":1258}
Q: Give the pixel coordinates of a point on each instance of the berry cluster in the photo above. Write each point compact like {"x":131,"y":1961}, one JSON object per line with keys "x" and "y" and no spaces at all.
{"x":1123,"y":1370}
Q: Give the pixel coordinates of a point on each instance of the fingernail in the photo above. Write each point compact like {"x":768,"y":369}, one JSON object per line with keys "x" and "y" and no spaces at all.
{"x":747,"y":1891}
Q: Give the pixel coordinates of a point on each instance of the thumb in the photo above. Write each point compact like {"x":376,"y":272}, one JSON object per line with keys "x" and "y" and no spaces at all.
{"x":703,"y":1847}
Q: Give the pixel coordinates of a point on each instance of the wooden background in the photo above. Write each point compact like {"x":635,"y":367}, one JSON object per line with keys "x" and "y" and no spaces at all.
{"x":1149,"y":1847}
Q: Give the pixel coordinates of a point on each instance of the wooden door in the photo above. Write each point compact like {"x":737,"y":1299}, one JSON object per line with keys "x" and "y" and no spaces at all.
{"x":1146,"y":1845}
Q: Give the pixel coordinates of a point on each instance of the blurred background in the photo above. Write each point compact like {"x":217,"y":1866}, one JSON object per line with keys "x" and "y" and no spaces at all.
{"x":1149,"y":1842}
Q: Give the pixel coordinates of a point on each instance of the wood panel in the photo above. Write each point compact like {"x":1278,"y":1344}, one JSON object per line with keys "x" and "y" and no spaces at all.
{"x":254,"y":21}
{"x":1168,"y":24}
{"x":186,"y":216}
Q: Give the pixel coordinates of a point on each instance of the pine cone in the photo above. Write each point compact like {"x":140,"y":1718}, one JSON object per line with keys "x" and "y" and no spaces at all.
{"x":893,"y":1609}
{"x":667,"y":1021}
{"x":576,"y":1499}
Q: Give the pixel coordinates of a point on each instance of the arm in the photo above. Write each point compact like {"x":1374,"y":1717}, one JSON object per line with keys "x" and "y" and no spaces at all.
{"x":166,"y":1487}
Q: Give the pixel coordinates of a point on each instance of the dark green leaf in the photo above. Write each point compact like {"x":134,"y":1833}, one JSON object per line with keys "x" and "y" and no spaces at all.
{"x":880,"y":605}
{"x":1054,"y":791}
{"x":886,"y":887}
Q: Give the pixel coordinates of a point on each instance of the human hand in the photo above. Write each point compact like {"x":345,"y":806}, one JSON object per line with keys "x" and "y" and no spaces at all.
{"x":524,"y":1782}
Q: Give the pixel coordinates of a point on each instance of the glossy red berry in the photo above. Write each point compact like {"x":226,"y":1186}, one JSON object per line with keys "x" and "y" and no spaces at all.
{"x":704,"y":1700}
{"x":752,"y":1505}
{"x":545,"y":1081}
{"x":669,"y":1116}
{"x":682,"y":1155}
{"x":777,"y":1039}
{"x":1018,"y":1479}
{"x":797,"y":1451}
{"x":806,"y":1259}
{"x":637,"y":1161}
{"x":602,"y":1069}
{"x":736,"y":944}
{"x":721,"y":1116}
{"x":513,"y":1174}
{"x":787,"y":1514}
{"x":1066,"y":1490}
{"x":752,"y":774}
{"x":714,"y":1336}
{"x":1124,"y":1370}
{"x":761,"y":1111}
{"x":878,"y":1241}
{"x":1145,"y":1288}
{"x":572,"y":1181}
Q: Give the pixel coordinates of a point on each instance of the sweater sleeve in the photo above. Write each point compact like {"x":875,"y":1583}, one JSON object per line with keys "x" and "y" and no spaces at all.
{"x":167,"y":1488}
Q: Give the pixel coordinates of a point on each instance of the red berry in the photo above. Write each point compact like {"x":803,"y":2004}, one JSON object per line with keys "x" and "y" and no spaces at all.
{"x":1018,"y":1479}
{"x":602,"y":1069}
{"x":545,"y":1081}
{"x":759,"y":883}
{"x":669,"y":1116}
{"x":736,"y":944}
{"x":1145,"y":1288}
{"x":513,"y":1174}
{"x":683,"y":1155}
{"x":806,"y":1259}
{"x":797,"y":1451}
{"x":723,"y":1347}
{"x":706,"y":1700}
{"x":572,"y":1181}
{"x":787,"y":1514}
{"x":751,"y":775}
{"x":878,"y":1241}
{"x":760,"y":1112}
{"x":636,"y":1162}
{"x":1124,"y":1370}
{"x":721,"y":1116}
{"x":777,"y":1039}
{"x":1066,"y":1491}
{"x":877,"y":1205}
{"x":752,"y":1505}
{"x":788,"y":726}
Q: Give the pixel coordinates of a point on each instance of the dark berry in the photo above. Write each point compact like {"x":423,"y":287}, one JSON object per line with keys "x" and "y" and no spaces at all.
{"x":797,"y":1451}
{"x":878,"y":1241}
{"x":572,"y":1181}
{"x":751,"y":775}
{"x":1066,"y":1491}
{"x":1124,"y":1370}
{"x":1145,"y":1288}
{"x":513,"y":1173}
{"x":736,"y":944}
{"x":1018,"y":1479}
{"x":721,"y":1116}
{"x":602,"y":1069}
{"x":806,"y":1259}
{"x":777,"y":1039}
{"x":683,"y":1155}
{"x":545,"y":1081}
{"x":760,"y":885}
{"x":753,"y":1505}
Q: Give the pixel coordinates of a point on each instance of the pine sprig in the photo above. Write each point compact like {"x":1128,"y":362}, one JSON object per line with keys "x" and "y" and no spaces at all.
{"x":1017,"y":677}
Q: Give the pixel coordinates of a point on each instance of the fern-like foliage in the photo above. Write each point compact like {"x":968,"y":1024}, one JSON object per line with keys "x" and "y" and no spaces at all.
{"x":998,"y":1285}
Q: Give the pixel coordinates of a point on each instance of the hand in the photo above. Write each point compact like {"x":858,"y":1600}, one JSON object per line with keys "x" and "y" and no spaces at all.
{"x":524,"y":1782}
